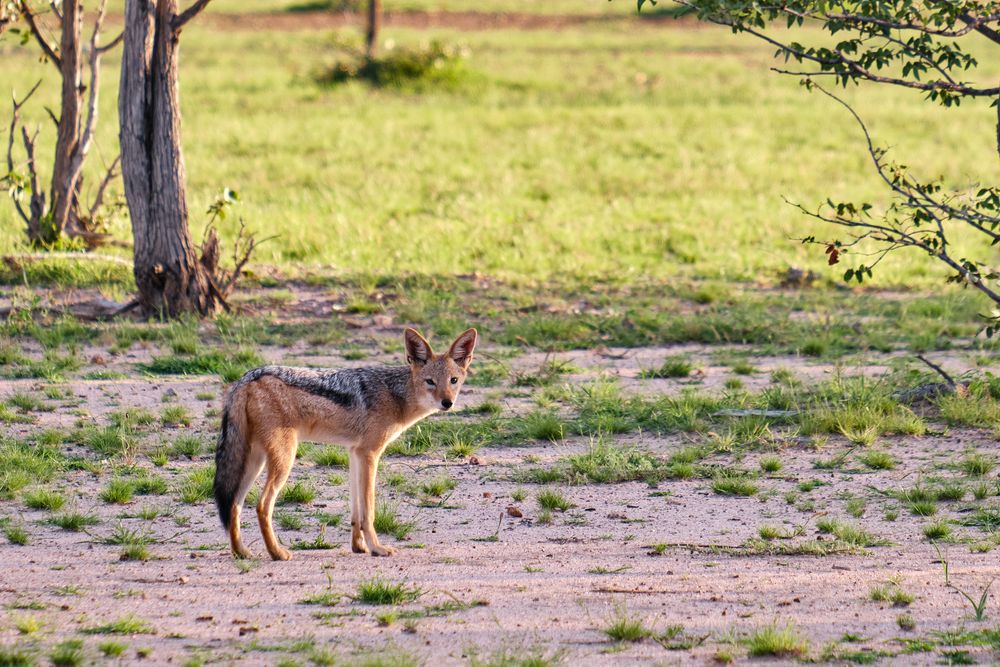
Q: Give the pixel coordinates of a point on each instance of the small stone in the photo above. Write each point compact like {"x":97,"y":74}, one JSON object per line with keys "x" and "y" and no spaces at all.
{"x":99,"y":360}
{"x":514,"y":511}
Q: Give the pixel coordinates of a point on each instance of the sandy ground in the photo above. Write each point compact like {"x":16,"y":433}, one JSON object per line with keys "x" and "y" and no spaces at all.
{"x":554,"y":587}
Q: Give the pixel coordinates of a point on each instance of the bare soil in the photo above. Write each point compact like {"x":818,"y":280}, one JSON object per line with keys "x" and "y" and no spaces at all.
{"x":554,"y":587}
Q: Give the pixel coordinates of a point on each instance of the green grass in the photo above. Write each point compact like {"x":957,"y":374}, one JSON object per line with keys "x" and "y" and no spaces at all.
{"x":550,"y":499}
{"x":977,"y":464}
{"x":229,"y":365}
{"x":770,"y":464}
{"x":570,"y":145}
{"x":17,"y":535}
{"x":187,"y":445}
{"x":44,"y":499}
{"x":890,"y":592}
{"x":69,"y":653}
{"x":939,"y":530}
{"x":775,"y":641}
{"x":297,"y":493}
{"x":335,"y":457}
{"x":542,"y":425}
{"x":118,"y":491}
{"x":175,"y":415}
{"x":387,"y":520}
{"x":625,"y":627}
{"x":378,"y":591}
{"x":850,"y":534}
{"x":672,"y":367}
{"x":734,"y":485}
{"x":197,"y":485}
{"x":877,"y":460}
{"x":124,"y":625}
{"x":74,"y":521}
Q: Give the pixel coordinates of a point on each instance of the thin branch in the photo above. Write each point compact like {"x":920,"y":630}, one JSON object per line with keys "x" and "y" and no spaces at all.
{"x":15,"y":117}
{"x":940,"y":371}
{"x":981,"y":28}
{"x":113,"y":43}
{"x":29,"y":17}
{"x":109,"y":176}
{"x":181,"y":19}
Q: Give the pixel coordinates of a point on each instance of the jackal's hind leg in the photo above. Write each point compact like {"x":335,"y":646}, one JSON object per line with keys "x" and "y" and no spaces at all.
{"x":253,"y":466}
{"x":280,"y":449}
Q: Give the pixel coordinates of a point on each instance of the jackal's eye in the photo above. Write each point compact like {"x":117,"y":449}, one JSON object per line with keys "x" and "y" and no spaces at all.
{"x":454,"y":380}
{"x":430,"y":382}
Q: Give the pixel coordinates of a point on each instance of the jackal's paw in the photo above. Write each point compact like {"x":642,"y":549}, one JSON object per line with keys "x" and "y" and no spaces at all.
{"x":359,"y":546}
{"x":382,"y":550}
{"x":281,"y":554}
{"x":242,"y":553}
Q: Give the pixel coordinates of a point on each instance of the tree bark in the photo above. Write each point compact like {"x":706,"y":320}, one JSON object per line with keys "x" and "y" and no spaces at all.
{"x":169,"y":277}
{"x":65,"y":182}
{"x":374,"y":27}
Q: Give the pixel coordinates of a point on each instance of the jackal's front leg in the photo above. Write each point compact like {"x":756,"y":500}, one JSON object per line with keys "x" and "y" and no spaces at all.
{"x":358,"y":544}
{"x":368,"y":466}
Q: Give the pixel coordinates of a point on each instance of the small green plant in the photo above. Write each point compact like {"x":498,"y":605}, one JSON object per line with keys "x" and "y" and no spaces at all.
{"x":624,"y":627}
{"x":732,"y":485}
{"x":939,"y":530}
{"x":906,"y":622}
{"x":16,"y":535}
{"x":387,"y":521}
{"x":543,"y":425}
{"x":125,"y":625}
{"x":27,"y":625}
{"x":112,"y":649}
{"x":672,"y":367}
{"x":378,"y":591}
{"x":978,"y":607}
{"x":977,"y":465}
{"x":68,"y":654}
{"x":877,"y":460}
{"x":550,"y":499}
{"x":118,"y":491}
{"x":187,"y":445}
{"x":175,"y":415}
{"x":334,"y":457}
{"x":890,"y":592}
{"x":518,"y":494}
{"x":297,"y":493}
{"x":770,"y":464}
{"x":74,"y":521}
{"x":44,"y":499}
{"x":772,"y":640}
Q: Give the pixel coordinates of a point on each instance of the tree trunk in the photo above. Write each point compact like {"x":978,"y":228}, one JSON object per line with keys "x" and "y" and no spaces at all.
{"x":63,"y":217}
{"x":374,"y":27}
{"x":169,"y":277}
{"x":65,"y":180}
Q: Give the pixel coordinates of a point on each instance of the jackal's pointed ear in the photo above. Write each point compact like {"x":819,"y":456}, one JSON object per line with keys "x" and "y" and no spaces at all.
{"x":418,"y":350}
{"x":461,"y":349}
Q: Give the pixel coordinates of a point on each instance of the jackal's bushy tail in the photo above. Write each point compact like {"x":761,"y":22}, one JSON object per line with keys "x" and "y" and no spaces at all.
{"x":231,"y":453}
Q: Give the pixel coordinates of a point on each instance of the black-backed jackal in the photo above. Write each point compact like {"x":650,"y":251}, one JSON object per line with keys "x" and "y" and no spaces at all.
{"x":364,"y":409}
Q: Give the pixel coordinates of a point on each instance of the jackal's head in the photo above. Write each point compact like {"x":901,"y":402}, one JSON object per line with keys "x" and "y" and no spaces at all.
{"x":439,"y":377}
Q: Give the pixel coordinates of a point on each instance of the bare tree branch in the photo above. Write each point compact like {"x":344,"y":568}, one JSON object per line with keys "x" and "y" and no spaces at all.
{"x":188,"y":14}
{"x":109,"y":176}
{"x":29,"y":17}
{"x":15,"y":117}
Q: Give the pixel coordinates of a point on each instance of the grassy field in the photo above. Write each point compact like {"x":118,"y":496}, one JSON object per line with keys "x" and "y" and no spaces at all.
{"x":663,"y":452}
{"x":615,"y":151}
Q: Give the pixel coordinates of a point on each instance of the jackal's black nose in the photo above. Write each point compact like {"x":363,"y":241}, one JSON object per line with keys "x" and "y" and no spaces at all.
{"x":446,"y":404}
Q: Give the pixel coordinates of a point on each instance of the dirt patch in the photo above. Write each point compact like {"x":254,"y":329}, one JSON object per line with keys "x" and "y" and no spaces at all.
{"x":673,"y":554}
